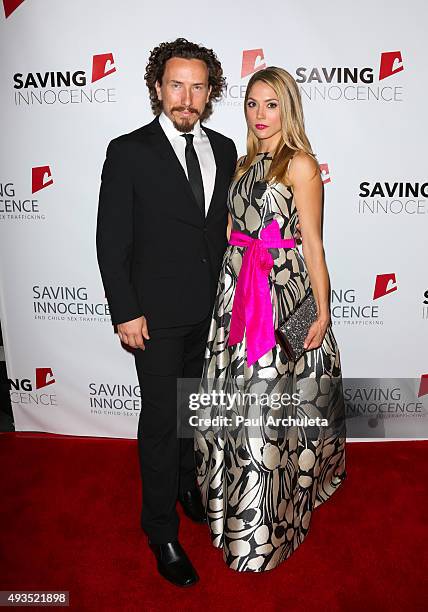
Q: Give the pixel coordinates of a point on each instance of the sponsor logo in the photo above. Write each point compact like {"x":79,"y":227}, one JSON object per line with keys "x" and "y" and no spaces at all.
{"x":44,"y":377}
{"x":330,"y":83}
{"x":70,"y":303}
{"x":423,"y":385}
{"x":325,"y":173}
{"x":393,"y":198}
{"x":102,"y":66}
{"x":64,"y":87}
{"x":20,"y":206}
{"x":391,"y":62}
{"x":352,"y":83}
{"x":384,"y":407}
{"x":10,"y":6}
{"x":25,"y":391}
{"x":252,"y":61}
{"x":384,"y":284}
{"x":41,"y":178}
{"x":349,"y":307}
{"x":114,"y":399}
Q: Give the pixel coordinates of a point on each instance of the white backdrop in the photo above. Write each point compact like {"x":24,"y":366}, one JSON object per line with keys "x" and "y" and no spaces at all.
{"x":361,"y":68}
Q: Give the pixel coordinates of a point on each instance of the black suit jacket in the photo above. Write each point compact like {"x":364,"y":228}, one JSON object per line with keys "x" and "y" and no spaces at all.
{"x":158,"y":255}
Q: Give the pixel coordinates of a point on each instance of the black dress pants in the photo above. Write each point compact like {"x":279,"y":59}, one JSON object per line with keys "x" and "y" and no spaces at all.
{"x":167,"y":463}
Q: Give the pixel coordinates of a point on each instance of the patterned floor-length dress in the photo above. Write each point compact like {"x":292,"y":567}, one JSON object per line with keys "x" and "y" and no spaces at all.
{"x":260,"y":484}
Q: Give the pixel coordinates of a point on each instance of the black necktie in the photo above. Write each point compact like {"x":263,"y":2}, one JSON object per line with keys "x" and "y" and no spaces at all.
{"x":194,"y":172}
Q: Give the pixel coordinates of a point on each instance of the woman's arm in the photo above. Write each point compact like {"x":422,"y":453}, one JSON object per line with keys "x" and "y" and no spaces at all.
{"x":307,"y":188}
{"x":229,"y":226}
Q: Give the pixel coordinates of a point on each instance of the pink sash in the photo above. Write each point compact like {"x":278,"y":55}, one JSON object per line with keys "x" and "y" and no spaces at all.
{"x":252,"y":306}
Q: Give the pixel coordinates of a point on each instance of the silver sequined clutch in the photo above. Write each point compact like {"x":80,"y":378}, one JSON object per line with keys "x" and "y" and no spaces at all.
{"x":292,"y":332}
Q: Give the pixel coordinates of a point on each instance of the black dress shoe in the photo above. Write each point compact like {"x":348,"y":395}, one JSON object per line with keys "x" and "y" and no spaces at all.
{"x":193,"y":506}
{"x":174,"y":564}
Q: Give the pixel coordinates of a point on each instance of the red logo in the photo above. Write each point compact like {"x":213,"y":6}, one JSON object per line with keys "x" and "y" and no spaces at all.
{"x":325,"y":174}
{"x":41,"y":177}
{"x":391,"y":62}
{"x":252,"y":61}
{"x":385,"y":283}
{"x":44,"y":377}
{"x":102,"y":66}
{"x":423,"y":387}
{"x":10,"y":5}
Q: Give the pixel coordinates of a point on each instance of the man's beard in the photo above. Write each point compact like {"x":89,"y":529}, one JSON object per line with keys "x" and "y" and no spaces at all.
{"x":185,"y":125}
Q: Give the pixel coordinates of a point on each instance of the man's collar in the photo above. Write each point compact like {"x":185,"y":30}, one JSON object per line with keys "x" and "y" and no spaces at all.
{"x":172,"y":132}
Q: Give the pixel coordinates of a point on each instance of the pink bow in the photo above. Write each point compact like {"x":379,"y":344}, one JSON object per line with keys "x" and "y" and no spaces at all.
{"x":252,"y":306}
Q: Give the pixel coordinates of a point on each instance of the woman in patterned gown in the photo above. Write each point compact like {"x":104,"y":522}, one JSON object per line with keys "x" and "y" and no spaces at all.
{"x":260,"y":481}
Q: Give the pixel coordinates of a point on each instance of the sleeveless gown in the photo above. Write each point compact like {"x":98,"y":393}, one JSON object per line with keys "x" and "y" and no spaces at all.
{"x":259,"y":483}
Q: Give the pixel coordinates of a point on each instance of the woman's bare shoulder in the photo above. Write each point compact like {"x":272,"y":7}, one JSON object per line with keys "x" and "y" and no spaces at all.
{"x":302,"y":166}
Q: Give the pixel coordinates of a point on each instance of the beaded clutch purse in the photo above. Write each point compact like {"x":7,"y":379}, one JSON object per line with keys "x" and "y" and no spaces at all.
{"x":292,"y":332}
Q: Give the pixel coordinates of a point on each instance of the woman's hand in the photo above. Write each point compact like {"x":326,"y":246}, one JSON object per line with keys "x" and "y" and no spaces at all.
{"x":316,"y":333}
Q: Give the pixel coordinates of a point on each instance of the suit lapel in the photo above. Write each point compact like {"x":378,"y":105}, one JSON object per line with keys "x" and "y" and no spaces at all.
{"x":167,"y":154}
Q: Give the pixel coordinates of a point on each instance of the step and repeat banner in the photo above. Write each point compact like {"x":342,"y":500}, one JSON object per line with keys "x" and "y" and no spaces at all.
{"x":71,"y":79}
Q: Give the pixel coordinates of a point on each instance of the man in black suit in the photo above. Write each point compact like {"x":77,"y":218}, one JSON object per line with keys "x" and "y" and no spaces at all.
{"x":161,"y":236}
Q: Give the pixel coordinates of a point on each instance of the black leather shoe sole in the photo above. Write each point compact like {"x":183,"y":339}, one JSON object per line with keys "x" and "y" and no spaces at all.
{"x":173,"y":564}
{"x":190,"y":581}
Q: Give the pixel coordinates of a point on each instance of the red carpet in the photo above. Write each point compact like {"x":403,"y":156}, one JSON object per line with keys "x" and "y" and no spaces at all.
{"x":70,"y":520}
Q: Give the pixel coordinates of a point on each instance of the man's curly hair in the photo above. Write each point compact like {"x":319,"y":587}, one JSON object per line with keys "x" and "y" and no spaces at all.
{"x":187,"y":50}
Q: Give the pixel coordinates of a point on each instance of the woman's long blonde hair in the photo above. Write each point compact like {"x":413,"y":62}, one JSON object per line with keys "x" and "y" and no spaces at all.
{"x":293,"y":136}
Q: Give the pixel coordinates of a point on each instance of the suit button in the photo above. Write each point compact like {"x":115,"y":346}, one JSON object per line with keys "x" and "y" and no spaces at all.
{"x":204,"y":260}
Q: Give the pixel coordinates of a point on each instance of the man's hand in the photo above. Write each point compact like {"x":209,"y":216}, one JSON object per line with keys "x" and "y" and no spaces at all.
{"x":298,"y":235}
{"x":133,"y":332}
